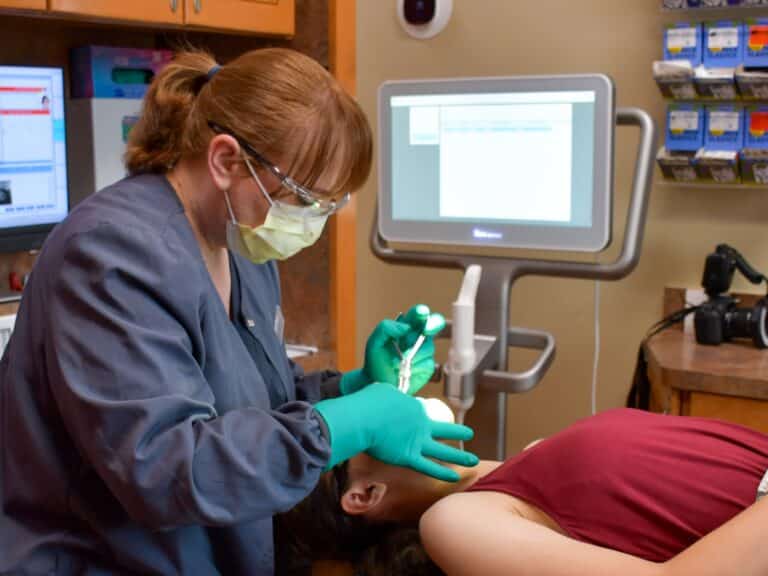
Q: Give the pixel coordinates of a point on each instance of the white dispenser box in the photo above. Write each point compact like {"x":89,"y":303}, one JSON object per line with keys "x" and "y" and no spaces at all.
{"x":98,"y":132}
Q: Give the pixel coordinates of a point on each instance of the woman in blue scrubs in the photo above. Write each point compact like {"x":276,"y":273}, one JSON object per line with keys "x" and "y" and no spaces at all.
{"x":149,"y":418}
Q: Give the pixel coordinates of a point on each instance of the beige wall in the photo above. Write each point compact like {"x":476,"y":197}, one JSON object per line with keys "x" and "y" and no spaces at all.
{"x":498,"y":37}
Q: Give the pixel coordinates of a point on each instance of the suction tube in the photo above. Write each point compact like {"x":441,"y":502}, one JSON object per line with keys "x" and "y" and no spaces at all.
{"x":461,"y":357}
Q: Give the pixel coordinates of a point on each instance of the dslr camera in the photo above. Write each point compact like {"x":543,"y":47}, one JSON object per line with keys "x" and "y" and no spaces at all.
{"x":720,"y":318}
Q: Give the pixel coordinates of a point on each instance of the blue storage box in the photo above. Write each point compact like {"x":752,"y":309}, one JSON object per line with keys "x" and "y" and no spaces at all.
{"x":723,"y":44}
{"x":752,"y":83}
{"x":756,"y":127}
{"x":683,"y":41}
{"x":716,"y":83}
{"x":754,"y":166}
{"x":724,"y":127}
{"x":685,"y":127}
{"x":756,"y":43}
{"x":719,"y":166}
{"x":719,"y":3}
{"x":676,"y":166}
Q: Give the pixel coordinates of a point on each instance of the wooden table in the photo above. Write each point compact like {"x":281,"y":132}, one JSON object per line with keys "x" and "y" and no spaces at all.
{"x":729,"y":381}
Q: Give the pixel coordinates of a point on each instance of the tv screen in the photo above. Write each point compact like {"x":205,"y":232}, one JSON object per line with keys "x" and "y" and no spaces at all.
{"x":509,"y":162}
{"x":33,"y":159}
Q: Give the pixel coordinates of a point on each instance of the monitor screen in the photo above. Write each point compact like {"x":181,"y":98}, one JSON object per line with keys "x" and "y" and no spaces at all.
{"x":510,"y":162}
{"x":33,"y":162}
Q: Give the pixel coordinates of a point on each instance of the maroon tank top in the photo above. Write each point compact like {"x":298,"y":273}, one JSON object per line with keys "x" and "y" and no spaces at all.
{"x":646,"y":484}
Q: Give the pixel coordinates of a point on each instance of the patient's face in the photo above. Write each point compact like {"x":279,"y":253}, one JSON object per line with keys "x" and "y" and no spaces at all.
{"x":384,"y":493}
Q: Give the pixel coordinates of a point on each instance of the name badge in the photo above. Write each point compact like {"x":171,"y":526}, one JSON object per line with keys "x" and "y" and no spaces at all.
{"x":279,"y":323}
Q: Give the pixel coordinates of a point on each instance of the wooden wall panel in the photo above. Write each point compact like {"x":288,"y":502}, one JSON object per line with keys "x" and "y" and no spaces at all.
{"x":343,"y":262}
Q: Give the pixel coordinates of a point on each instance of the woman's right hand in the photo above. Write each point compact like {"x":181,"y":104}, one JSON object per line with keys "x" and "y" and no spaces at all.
{"x":394,"y":428}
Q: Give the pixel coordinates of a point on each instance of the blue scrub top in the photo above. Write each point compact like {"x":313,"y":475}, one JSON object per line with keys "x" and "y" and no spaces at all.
{"x":136,"y":430}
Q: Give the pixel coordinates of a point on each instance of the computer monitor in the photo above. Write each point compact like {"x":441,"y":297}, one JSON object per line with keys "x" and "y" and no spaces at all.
{"x":512,"y":162}
{"x":33,"y":159}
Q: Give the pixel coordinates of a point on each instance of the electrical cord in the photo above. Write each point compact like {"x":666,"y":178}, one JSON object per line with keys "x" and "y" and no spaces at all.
{"x":640,"y":392}
{"x":596,"y":357}
{"x":668,"y":321}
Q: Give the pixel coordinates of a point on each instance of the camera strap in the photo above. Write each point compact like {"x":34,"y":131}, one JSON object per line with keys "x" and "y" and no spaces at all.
{"x":640,"y":392}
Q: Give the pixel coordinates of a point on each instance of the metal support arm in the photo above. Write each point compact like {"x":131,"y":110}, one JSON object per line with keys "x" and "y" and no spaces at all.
{"x":486,"y":357}
{"x":517,"y":382}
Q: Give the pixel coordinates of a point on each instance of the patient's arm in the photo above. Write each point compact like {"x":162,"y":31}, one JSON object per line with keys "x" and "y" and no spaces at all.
{"x":737,"y":548}
{"x":482,"y":533}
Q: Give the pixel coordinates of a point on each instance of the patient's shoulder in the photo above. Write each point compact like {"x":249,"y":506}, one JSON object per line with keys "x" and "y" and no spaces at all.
{"x":456,"y":507}
{"x":464,"y":505}
{"x":476,"y":530}
{"x":468,"y":502}
{"x":439,"y":525}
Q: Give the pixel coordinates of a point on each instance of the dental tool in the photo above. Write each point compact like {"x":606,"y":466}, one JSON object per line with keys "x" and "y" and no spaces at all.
{"x":432,"y":326}
{"x":404,"y":377}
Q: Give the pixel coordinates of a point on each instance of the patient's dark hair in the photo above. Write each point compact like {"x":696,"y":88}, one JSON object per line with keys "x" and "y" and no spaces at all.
{"x":399,"y":552}
{"x":318,"y":529}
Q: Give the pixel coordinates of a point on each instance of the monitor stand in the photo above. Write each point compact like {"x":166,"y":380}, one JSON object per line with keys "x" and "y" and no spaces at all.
{"x":491,"y":379}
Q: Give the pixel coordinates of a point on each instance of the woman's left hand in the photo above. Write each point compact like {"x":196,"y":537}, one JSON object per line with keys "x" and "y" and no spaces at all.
{"x":382,"y":358}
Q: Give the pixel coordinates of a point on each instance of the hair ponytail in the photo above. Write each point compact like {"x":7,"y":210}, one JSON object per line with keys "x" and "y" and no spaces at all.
{"x":161,"y":135}
{"x":284,"y":103}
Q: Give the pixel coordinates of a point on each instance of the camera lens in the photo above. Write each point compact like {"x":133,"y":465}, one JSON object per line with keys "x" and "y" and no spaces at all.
{"x":747,"y":323}
{"x":419,"y":11}
{"x":738,"y":323}
{"x":759,"y":328}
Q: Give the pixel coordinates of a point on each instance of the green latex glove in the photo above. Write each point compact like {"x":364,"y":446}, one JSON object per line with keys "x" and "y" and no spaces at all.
{"x":382,"y":359}
{"x":394,"y":428}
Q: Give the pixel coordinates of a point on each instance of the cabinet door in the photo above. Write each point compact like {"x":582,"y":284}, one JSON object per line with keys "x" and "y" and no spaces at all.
{"x":748,"y":412}
{"x":23,"y":4}
{"x":155,"y":11}
{"x":273,"y":17}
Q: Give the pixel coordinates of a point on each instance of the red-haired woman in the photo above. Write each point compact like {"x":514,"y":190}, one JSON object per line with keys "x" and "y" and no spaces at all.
{"x":150,"y":420}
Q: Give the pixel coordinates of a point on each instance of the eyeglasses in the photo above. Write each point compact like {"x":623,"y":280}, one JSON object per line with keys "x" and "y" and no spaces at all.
{"x":308,"y":198}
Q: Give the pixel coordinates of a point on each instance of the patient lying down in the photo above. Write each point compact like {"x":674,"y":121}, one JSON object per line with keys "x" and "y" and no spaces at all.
{"x":624,"y":492}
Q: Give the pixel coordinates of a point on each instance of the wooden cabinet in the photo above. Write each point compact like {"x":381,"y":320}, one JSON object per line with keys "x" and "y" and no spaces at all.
{"x":729,"y":382}
{"x":264,"y":17}
{"x":273,"y":17}
{"x":144,"y":11}
{"x":23,"y":4}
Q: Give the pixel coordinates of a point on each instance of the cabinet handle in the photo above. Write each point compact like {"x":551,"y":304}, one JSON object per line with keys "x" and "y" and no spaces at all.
{"x":174,"y":5}
{"x":198,"y":5}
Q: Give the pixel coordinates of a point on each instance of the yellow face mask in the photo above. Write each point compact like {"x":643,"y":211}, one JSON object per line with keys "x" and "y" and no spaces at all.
{"x":286,"y":230}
